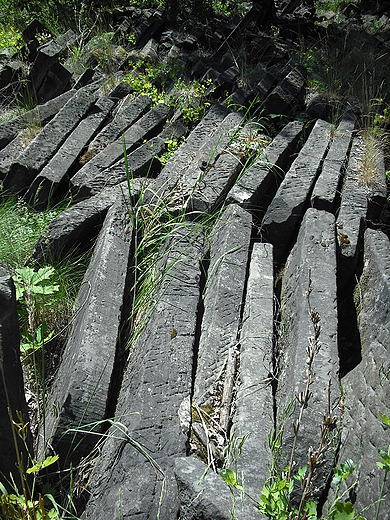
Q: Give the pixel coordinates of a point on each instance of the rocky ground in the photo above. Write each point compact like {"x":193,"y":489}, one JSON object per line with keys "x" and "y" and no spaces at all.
{"x":272,"y":285}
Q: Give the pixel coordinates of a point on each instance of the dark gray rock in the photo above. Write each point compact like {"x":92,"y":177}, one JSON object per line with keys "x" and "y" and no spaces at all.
{"x":143,"y":161}
{"x":45,"y":184}
{"x":223,"y":300}
{"x":374,"y":177}
{"x":287,"y":207}
{"x":352,"y":214}
{"x":78,"y":225}
{"x":366,"y":389}
{"x":134,"y":471}
{"x":327,"y":188}
{"x":252,"y":188}
{"x":288,"y":94}
{"x":309,"y":287}
{"x":168,"y":180}
{"x":254,"y":402}
{"x":204,"y":160}
{"x":47,"y":142}
{"x":39,"y":115}
{"x":12,"y":398}
{"x":210,"y":192}
{"x":124,"y":118}
{"x":81,"y":389}
{"x":47,"y":55}
{"x":203,"y":494}
{"x":55,"y":82}
{"x":144,"y":128}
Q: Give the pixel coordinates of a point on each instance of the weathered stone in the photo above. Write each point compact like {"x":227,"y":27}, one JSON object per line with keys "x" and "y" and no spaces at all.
{"x":39,"y":115}
{"x":122,"y":121}
{"x":12,"y":398}
{"x":287,"y":207}
{"x":366,"y":389}
{"x":327,"y":188}
{"x":254,"y":402}
{"x":353,"y":211}
{"x":211,"y":191}
{"x":309,"y":294}
{"x":265,"y":85}
{"x":374,"y":177}
{"x":47,"y":55}
{"x":168,"y":180}
{"x":141,"y":162}
{"x":144,"y":128}
{"x":47,"y":142}
{"x":10,"y":152}
{"x":287,"y":94}
{"x":45,"y":184}
{"x":55,"y":82}
{"x":154,"y":405}
{"x":253,"y":187}
{"x":77,"y":226}
{"x":223,"y":300}
{"x":205,"y":159}
{"x":203,"y":494}
{"x":80,"y":393}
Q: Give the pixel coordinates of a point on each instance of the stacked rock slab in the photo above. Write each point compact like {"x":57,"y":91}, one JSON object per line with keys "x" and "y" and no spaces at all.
{"x":309,"y":290}
{"x":12,"y":398}
{"x":83,"y":182}
{"x":134,"y":472}
{"x":254,"y":402}
{"x":218,"y":178}
{"x":229,"y":250}
{"x":168,"y":184}
{"x":45,"y":184}
{"x":143,"y":161}
{"x":288,"y":206}
{"x":81,"y":389}
{"x":255,"y":184}
{"x":77,"y":226}
{"x":47,"y":142}
{"x":39,"y":115}
{"x":366,"y":389}
{"x":203,"y":494}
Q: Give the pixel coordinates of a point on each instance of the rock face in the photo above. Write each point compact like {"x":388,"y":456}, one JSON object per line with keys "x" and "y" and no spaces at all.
{"x":308,"y":346}
{"x":80,"y":395}
{"x":241,"y":336}
{"x":366,"y":388}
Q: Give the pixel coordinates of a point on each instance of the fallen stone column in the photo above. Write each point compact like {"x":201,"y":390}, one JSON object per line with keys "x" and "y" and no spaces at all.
{"x":253,"y":187}
{"x":352,"y":214}
{"x":124,"y":118}
{"x":80,"y":394}
{"x":145,"y":127}
{"x":134,"y":472}
{"x":366,"y":389}
{"x":326,"y":191}
{"x":45,"y":184}
{"x":77,"y":226}
{"x":308,"y":349}
{"x":286,"y":210}
{"x":39,"y":115}
{"x":167,"y":181}
{"x":205,"y":159}
{"x":12,"y":398}
{"x":48,"y":141}
{"x":223,"y":300}
{"x":254,"y":400}
{"x":143,"y":161}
